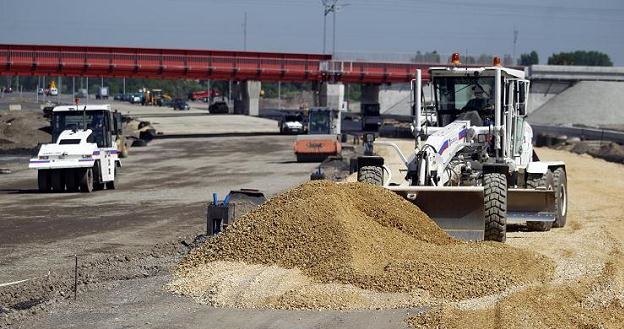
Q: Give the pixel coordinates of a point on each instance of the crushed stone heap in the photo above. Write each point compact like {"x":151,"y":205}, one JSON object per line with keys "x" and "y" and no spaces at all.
{"x":367,"y":237}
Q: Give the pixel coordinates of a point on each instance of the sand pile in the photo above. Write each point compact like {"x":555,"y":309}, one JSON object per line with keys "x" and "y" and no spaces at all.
{"x":353,"y":236}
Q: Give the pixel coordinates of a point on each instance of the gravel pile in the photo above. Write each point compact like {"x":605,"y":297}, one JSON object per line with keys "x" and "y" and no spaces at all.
{"x":592,"y":103}
{"x":362,"y":236}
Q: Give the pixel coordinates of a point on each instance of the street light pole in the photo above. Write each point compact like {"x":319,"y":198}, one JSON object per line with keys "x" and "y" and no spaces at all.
{"x":334,"y":36}
{"x":245,"y":33}
{"x":324,"y":30}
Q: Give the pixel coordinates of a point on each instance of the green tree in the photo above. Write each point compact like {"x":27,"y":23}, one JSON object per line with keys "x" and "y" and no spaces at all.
{"x":580,"y":57}
{"x":428,"y":57}
{"x":529,"y":59}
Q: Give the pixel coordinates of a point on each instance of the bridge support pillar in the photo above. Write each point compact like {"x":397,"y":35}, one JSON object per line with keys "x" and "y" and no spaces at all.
{"x":392,"y":99}
{"x":246,"y":96}
{"x":370,"y":95}
{"x":395,"y":99}
{"x":332,"y":95}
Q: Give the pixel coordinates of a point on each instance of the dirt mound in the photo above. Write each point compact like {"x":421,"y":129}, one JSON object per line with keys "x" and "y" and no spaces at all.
{"x":609,"y":151}
{"x":22,"y":130}
{"x":368,"y":237}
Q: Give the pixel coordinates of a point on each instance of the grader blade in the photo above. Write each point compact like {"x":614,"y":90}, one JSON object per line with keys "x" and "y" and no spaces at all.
{"x":457,"y":210}
{"x":527,"y":205}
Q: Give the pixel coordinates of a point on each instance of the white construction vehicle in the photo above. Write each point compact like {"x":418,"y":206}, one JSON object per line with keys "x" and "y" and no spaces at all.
{"x":474,"y":170}
{"x":83,"y":155}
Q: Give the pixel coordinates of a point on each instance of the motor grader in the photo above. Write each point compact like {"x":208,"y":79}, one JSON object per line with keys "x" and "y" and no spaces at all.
{"x":473,"y":169}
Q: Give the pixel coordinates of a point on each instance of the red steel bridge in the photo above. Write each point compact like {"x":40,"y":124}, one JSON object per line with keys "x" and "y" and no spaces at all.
{"x":150,"y":63}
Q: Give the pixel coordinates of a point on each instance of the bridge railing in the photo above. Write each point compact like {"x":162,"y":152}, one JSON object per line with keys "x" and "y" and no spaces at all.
{"x":69,"y":61}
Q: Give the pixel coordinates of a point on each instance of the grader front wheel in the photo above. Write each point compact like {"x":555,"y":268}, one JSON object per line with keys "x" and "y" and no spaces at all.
{"x":371,"y":174}
{"x":495,"y":194}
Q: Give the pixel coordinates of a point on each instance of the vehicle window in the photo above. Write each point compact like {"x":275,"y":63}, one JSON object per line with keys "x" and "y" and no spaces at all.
{"x":463,"y":93}
{"x":69,"y":141}
{"x":319,"y":123}
{"x":95,"y":120}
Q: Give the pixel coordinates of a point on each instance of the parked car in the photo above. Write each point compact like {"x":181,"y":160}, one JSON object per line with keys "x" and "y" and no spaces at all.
{"x":136,"y":99}
{"x":291,"y":124}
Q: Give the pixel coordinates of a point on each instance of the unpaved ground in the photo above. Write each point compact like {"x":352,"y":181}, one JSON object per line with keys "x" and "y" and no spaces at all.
{"x":592,"y":239}
{"x":587,"y":290}
{"x":133,"y":231}
{"x":22,"y":130}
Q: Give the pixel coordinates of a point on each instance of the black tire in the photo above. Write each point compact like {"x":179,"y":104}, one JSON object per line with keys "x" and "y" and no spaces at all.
{"x":371,"y":174}
{"x":98,"y":185}
{"x":540,"y":181}
{"x":56,"y":180}
{"x":561,"y":197}
{"x":495,"y":189}
{"x":43,"y":181}
{"x":86,"y":180}
{"x":71,"y":180}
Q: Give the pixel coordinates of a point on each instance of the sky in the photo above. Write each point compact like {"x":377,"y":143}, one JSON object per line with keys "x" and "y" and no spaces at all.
{"x":381,"y":29}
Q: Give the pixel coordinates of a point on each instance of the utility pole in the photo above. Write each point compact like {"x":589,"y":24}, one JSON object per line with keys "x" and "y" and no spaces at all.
{"x":279,"y":95}
{"x":245,"y":32}
{"x":330,"y":6}
{"x":334,"y":33}
{"x":515,"y":41}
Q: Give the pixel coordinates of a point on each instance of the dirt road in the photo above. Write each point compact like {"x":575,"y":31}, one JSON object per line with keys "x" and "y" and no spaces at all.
{"x":588,"y":254}
{"x":162,"y":193}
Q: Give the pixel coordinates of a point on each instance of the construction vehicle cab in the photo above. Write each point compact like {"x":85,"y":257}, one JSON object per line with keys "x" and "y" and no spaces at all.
{"x":84,"y":153}
{"x":323,"y":135}
{"x":473,"y":170}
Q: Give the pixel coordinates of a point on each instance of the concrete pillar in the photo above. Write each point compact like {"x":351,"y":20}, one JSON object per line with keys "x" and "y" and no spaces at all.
{"x":332,"y":95}
{"x":370,"y":94}
{"x":395,"y":99}
{"x":246,"y":96}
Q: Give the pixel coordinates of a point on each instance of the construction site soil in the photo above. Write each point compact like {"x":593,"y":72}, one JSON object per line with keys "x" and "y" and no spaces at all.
{"x":325,"y":245}
{"x":22,"y":131}
{"x":124,"y":260}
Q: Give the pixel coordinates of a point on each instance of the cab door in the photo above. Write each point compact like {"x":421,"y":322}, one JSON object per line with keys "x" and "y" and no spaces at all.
{"x":522,"y":133}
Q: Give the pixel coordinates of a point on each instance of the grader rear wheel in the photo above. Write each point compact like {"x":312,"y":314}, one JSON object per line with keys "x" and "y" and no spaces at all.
{"x":540,"y":181}
{"x":561,"y":197}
